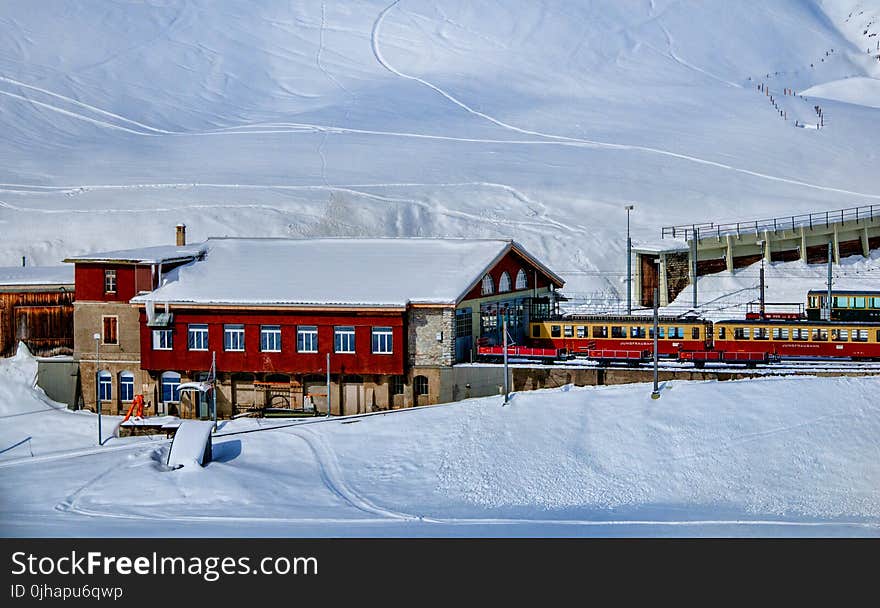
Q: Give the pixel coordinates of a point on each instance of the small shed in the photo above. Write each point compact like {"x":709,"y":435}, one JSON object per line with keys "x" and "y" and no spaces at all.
{"x":36,"y":307}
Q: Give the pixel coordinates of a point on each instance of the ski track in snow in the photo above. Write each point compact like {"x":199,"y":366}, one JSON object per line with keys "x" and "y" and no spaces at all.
{"x":377,"y":52}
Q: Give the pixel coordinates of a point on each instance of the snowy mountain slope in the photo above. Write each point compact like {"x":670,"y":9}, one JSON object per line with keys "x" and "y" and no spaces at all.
{"x":536,"y":121}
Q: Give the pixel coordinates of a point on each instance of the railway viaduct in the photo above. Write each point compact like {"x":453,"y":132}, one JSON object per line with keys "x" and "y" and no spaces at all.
{"x":669,"y":262}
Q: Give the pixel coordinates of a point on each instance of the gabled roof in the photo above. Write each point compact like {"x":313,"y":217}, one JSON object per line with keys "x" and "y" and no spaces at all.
{"x":327,"y":272}
{"x":36,"y":276}
{"x":161,"y":254}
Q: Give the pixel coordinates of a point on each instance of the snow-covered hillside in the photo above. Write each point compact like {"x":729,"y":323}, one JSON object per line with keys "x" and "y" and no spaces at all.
{"x":536,"y":121}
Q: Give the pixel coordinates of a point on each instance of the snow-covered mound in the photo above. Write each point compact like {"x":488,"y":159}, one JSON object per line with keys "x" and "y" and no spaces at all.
{"x":31,"y":424}
{"x":504,"y":118}
{"x":729,"y":458}
{"x":863,"y":91}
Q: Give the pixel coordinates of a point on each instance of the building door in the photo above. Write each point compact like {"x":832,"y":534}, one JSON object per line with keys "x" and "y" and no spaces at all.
{"x":352,"y":395}
{"x":650,"y":276}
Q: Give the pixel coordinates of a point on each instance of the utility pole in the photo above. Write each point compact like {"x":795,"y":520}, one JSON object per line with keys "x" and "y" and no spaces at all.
{"x":328,"y":385}
{"x":656,"y":392}
{"x":506,"y":373}
{"x":696,"y":238}
{"x":629,"y":307}
{"x":97,"y":338}
{"x":761,"y":244}
{"x":828,"y":296}
{"x":214,"y":388}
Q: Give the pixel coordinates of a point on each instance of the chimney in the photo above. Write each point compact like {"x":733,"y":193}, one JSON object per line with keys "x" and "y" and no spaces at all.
{"x":181,"y":235}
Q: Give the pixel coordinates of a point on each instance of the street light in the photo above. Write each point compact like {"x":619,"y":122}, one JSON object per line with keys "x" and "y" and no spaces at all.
{"x":655,"y":394}
{"x":761,"y":245}
{"x":97,"y":338}
{"x":629,"y":307}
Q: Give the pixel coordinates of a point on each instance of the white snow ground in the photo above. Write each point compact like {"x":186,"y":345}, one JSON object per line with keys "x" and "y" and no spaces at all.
{"x":794,"y":456}
{"x":536,"y":121}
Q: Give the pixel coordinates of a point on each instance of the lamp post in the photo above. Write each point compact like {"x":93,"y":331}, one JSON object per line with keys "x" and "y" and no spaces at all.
{"x":628,"y":262}
{"x":655,"y":394}
{"x":97,"y":338}
{"x":762,"y":245}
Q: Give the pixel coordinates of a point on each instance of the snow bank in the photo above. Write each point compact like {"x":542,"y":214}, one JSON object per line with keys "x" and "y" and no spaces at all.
{"x":192,"y":444}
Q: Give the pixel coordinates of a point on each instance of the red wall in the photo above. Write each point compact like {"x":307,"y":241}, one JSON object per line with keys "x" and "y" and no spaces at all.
{"x":288,"y":361}
{"x":511,"y":262}
{"x":129,"y":280}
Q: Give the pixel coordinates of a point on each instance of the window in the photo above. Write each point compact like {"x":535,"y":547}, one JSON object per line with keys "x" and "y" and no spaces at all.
{"x":270,"y":338}
{"x":877,"y":339}
{"x":695,"y":333}
{"x":722,"y":333}
{"x":637,"y":332}
{"x":488,"y":286}
{"x":838,"y":302}
{"x":676,"y":332}
{"x":600,"y":331}
{"x":105,"y":386}
{"x":233,"y":337}
{"x":555,"y":331}
{"x":859,"y":302}
{"x":800,"y":333}
{"x":126,"y":386}
{"x":536,"y":331}
{"x":522,"y":281}
{"x":581,"y":331}
{"x":197,"y":336}
{"x":875,"y":302}
{"x":110,"y":336}
{"x":860,"y":335}
{"x":307,"y":339}
{"x":741,"y":333}
{"x":420,"y":385}
{"x":163,"y":339}
{"x":382,"y":341}
{"x":762,"y":333}
{"x":820,"y":335}
{"x":780,"y":333}
{"x":618,"y":332}
{"x":660,"y":332}
{"x":464,"y":323}
{"x":344,"y":339}
{"x":840,"y":335}
{"x":396,"y":384}
{"x":568,"y":331}
{"x":504,"y":282}
{"x":170,"y":384}
{"x":109,"y":281}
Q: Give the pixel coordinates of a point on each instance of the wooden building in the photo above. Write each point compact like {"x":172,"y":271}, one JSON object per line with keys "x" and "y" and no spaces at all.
{"x":36,"y":307}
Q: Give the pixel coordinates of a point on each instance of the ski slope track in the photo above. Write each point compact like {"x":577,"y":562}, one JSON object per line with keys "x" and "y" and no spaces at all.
{"x":324,"y":118}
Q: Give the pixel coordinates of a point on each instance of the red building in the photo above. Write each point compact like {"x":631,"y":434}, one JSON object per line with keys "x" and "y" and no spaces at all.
{"x":394,"y":315}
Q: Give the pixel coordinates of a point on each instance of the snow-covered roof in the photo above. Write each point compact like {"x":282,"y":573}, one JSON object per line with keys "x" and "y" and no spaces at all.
{"x":661,"y":246}
{"x":36,"y":275}
{"x":144,"y":255}
{"x":377,"y":272}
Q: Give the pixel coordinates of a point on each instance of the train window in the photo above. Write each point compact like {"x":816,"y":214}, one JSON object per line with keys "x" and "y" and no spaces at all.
{"x":878,"y":336}
{"x":555,"y":331}
{"x":820,"y":335}
{"x":568,"y":331}
{"x":636,"y":332}
{"x":695,"y":333}
{"x":618,"y":332}
{"x":839,"y":302}
{"x":762,"y":333}
{"x":722,"y":333}
{"x":840,"y":335}
{"x":676,"y":332}
{"x":780,"y":333}
{"x":741,"y":333}
{"x":859,"y":302}
{"x":536,"y":331}
{"x":581,"y":331}
{"x":600,"y":331}
{"x":860,"y":335}
{"x":800,"y":333}
{"x":660,"y":332}
{"x":875,"y":302}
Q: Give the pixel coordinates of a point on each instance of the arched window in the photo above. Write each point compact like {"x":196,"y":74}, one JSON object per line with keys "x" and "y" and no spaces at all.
{"x":170,"y":382}
{"x":126,"y":386}
{"x":420,"y":385}
{"x":105,"y":386}
{"x":522,"y":281}
{"x":488,"y":285}
{"x":504,"y":282}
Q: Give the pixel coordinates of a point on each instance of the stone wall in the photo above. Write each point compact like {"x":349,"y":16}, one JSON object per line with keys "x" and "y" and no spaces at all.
{"x":424,"y":326}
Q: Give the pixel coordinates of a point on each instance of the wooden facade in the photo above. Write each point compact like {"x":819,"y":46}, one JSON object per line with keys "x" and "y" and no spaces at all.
{"x":42,"y":319}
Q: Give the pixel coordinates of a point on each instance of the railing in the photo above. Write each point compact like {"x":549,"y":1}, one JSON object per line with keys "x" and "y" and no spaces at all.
{"x":807,"y":220}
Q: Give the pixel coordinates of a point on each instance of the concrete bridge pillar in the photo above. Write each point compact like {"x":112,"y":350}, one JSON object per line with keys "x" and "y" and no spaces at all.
{"x":767,"y":246}
{"x":662,"y":284}
{"x":836,"y":247}
{"x":863,"y":237}
{"x":728,"y":254}
{"x":803,"y":244}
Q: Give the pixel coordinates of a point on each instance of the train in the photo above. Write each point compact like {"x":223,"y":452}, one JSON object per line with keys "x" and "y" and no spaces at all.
{"x":853,"y":335}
